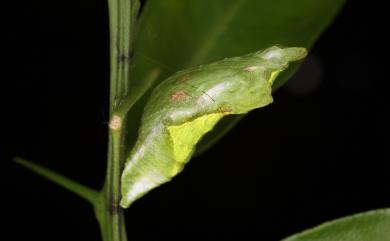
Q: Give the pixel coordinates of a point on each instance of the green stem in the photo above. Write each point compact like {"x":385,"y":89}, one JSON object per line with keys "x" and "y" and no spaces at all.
{"x":122,"y":14}
{"x":122,"y":17}
{"x":112,"y":219}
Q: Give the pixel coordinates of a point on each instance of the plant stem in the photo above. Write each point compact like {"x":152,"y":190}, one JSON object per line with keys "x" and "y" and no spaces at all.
{"x":122,"y":14}
{"x":122,"y":17}
{"x":112,"y":221}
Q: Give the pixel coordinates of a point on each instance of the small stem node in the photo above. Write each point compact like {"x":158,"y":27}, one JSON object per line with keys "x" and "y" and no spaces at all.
{"x":115,"y":123}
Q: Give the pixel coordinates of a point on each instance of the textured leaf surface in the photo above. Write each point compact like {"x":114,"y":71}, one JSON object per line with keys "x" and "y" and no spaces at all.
{"x":177,"y":34}
{"x":188,"y":104}
{"x":369,"y":226}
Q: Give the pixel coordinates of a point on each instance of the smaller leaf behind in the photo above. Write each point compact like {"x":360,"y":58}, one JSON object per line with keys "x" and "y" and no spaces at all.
{"x":368,"y":226}
{"x":187,"y":105}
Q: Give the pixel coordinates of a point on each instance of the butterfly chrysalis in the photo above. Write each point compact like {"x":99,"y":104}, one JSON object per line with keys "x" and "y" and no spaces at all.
{"x":188,"y":104}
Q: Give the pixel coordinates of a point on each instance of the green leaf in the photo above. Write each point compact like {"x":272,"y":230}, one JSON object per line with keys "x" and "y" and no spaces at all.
{"x":87,"y":193}
{"x":177,"y":34}
{"x":188,"y":104}
{"x":368,"y":226}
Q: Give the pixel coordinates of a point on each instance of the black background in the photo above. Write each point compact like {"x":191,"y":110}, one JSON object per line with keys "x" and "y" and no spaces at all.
{"x":315,"y":154}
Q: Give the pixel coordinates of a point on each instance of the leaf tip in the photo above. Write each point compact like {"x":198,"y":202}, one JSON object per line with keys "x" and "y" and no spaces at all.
{"x":20,"y":161}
